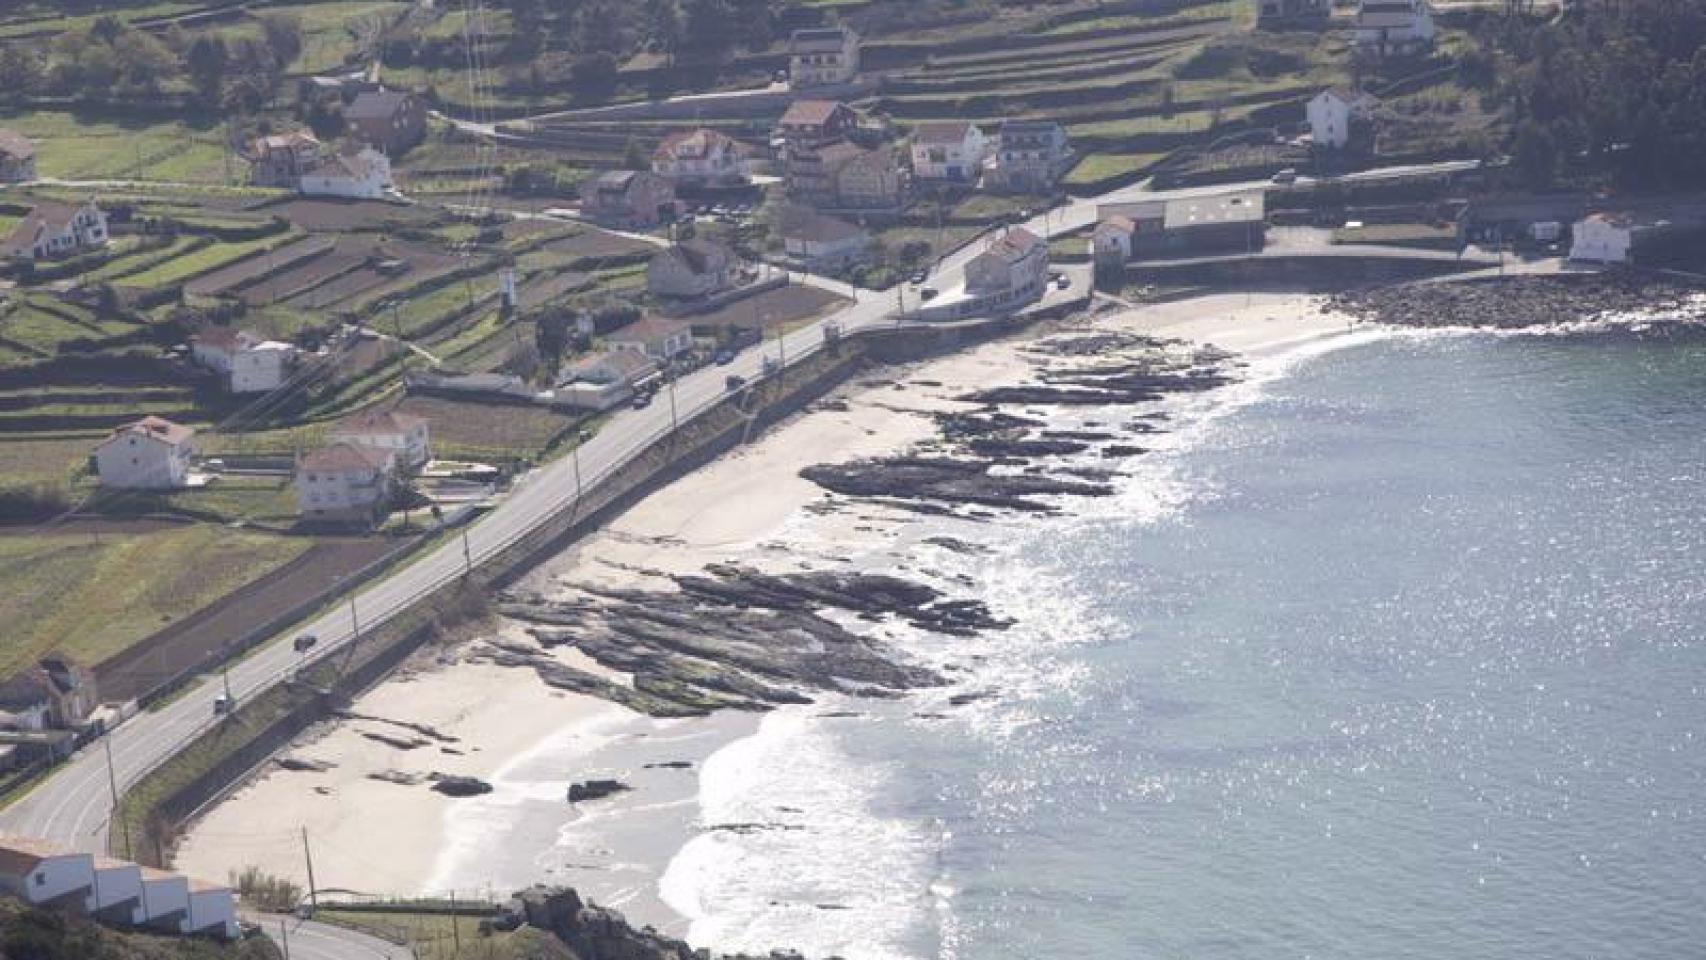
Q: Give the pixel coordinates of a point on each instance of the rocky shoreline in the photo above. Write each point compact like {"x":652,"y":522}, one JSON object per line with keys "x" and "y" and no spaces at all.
{"x":1517,"y":303}
{"x":734,"y":637}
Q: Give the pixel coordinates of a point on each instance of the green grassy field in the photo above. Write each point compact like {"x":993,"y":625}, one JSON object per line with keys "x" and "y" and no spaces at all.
{"x":100,"y":146}
{"x":92,"y":596}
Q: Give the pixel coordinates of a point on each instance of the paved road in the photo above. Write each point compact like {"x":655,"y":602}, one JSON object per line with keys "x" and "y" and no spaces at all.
{"x":74,"y":805}
{"x":323,"y":941}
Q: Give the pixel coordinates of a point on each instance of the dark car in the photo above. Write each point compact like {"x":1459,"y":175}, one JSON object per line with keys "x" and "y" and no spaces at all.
{"x":724,"y":358}
{"x":734,"y":382}
{"x":305,"y":642}
{"x":928,"y":293}
{"x":919,"y":277}
{"x":642,"y":401}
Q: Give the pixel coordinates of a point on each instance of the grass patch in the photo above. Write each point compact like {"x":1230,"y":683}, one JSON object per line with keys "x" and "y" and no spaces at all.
{"x":181,"y":268}
{"x":93,"y":595}
{"x":1096,"y":167}
{"x":89,"y":146}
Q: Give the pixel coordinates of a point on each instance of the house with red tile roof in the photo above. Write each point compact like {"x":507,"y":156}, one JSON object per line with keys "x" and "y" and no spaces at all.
{"x":150,"y":454}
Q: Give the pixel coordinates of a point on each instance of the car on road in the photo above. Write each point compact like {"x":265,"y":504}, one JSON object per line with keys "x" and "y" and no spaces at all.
{"x":919,"y":278}
{"x":928,"y":293}
{"x":305,"y":642}
{"x":222,"y":705}
{"x":734,"y":382}
{"x":1288,"y":175}
{"x":724,"y":358}
{"x":642,"y":401}
{"x":1063,"y":282}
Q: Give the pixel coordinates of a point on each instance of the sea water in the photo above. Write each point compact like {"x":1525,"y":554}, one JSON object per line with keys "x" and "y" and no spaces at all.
{"x":1396,"y":652}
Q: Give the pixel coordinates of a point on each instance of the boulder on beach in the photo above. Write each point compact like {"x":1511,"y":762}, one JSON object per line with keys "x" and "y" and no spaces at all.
{"x":595,"y":790}
{"x":456,"y":786}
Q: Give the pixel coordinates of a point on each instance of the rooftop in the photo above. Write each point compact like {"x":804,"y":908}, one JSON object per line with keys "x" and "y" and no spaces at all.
{"x":156,"y":428}
{"x":811,"y":113}
{"x":377,"y":104}
{"x":378,"y":422}
{"x":942,"y":134}
{"x":341,"y":457}
{"x":804,"y":223}
{"x":695,"y":144}
{"x":1246,"y":207}
{"x":15,"y":145}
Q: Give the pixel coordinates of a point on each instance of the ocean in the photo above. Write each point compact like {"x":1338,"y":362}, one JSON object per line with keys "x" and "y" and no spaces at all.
{"x":1393,"y":650}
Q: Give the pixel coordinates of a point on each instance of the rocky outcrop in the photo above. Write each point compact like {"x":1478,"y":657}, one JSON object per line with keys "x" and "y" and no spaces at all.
{"x":734,"y":638}
{"x":592,"y":932}
{"x":595,"y":790}
{"x":944,"y":479}
{"x":1521,"y":302}
{"x":456,"y":786}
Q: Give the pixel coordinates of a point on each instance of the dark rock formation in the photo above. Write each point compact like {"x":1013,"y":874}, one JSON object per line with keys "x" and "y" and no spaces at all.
{"x":947,"y":480}
{"x":1519,"y":302}
{"x":735,"y":638}
{"x":455,"y":786}
{"x":399,"y":743}
{"x":299,"y":765}
{"x":592,"y":932}
{"x":595,"y":790}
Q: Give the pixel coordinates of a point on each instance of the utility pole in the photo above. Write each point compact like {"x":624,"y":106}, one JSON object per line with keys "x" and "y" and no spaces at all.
{"x":455,"y":924}
{"x":674,"y":423}
{"x":308,"y":858}
{"x":354,"y":620}
{"x":284,"y":938}
{"x":467,"y":555}
{"x":225,"y":674}
{"x":112,"y":783}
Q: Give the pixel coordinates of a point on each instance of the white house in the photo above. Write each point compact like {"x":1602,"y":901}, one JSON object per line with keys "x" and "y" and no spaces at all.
{"x":150,"y":454}
{"x":1394,"y":26}
{"x":811,"y":238}
{"x":1110,"y":243}
{"x":212,"y":910}
{"x":691,"y":268}
{"x":261,"y":367}
{"x":1030,"y":155}
{"x":658,"y":338}
{"x":364,"y":174}
{"x":822,"y":55}
{"x":345,"y":483}
{"x":38,"y":872}
{"x":117,"y":893}
{"x":1332,"y":113}
{"x":165,"y":899}
{"x":600,"y":381}
{"x":408,"y":438}
{"x":56,"y":230}
{"x":954,"y":152}
{"x":702,"y":158}
{"x":248,"y":363}
{"x":1011,"y":272}
{"x":1617,"y":237}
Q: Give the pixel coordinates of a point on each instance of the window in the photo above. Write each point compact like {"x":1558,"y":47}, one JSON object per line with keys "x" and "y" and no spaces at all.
{"x":41,"y":878}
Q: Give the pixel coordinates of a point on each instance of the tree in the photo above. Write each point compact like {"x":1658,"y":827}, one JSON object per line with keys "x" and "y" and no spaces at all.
{"x":1535,"y":154}
{"x":664,"y":26}
{"x":594,"y":75}
{"x":20,"y":70}
{"x":598,"y":29}
{"x":283,"y":34}
{"x":634,"y":157}
{"x":207,"y":62}
{"x":711,"y":24}
{"x":142,"y":62}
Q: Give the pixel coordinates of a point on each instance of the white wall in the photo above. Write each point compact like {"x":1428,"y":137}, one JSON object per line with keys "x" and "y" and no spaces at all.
{"x":137,"y":463}
{"x":52,"y":878}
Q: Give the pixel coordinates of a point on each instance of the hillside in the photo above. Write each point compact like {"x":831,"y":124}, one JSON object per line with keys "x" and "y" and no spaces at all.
{"x":31,"y":934}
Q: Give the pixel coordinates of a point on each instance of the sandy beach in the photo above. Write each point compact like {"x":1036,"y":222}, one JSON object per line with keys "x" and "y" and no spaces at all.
{"x":504,"y":725}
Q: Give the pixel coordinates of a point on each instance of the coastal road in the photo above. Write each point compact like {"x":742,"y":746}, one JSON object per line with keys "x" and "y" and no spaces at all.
{"x":74,"y":805}
{"x":323,"y":941}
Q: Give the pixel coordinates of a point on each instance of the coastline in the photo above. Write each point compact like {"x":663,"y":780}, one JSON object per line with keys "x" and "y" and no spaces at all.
{"x":531,"y":741}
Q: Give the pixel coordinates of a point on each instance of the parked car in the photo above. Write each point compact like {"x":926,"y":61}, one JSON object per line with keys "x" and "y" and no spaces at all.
{"x":919,"y":278}
{"x":928,"y":293}
{"x":642,"y":401}
{"x":1063,"y":282}
{"x":1288,"y":175}
{"x":221,"y":705}
{"x":734,"y":382}
{"x":724,"y":358}
{"x":305,"y":642}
